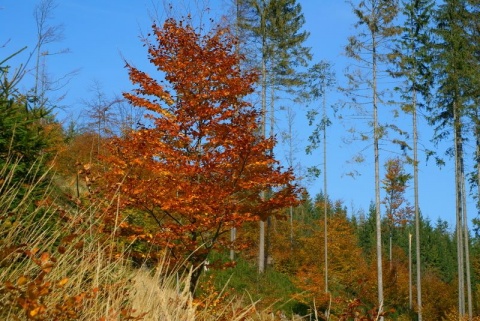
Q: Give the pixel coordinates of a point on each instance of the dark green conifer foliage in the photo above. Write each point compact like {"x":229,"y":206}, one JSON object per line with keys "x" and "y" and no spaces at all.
{"x":453,"y":56}
{"x":366,"y":232}
{"x":287,"y":47}
{"x":474,"y":114}
{"x":275,"y":28}
{"x":25,"y":134}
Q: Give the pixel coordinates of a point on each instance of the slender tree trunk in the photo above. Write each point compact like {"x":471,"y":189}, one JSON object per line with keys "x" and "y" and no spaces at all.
{"x":390,"y":249}
{"x":477,"y":133}
{"x":291,"y":228}
{"x":466,"y":250}
{"x":233,"y":236}
{"x":268,"y":227}
{"x":416,"y":205}
{"x":325,"y":203}
{"x":290,"y":161}
{"x":261,"y":243}
{"x":261,"y":247}
{"x":233,"y":231}
{"x":271,"y":134}
{"x":459,"y":210}
{"x":376,"y":134}
{"x":410,"y":301}
{"x":272,"y":108}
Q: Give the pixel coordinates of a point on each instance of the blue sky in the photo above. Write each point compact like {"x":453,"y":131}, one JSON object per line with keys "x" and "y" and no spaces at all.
{"x":100,"y":34}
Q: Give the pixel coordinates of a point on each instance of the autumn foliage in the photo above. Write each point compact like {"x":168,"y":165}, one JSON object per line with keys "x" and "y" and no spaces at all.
{"x":130,"y":216}
{"x":197,"y":166}
{"x":399,"y":212}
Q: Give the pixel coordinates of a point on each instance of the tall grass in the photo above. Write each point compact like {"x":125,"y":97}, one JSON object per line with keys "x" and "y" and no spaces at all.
{"x":55,"y":266}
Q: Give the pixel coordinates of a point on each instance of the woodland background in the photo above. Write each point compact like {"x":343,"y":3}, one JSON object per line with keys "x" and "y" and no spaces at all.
{"x":184,"y":197}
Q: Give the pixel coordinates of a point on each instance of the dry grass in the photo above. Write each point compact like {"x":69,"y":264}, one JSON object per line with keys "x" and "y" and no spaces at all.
{"x":53,"y":266}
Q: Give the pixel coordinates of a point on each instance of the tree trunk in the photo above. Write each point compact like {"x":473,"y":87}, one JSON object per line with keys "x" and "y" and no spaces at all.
{"x":233,"y":236}
{"x":477,"y":133}
{"x":261,"y":243}
{"x":291,"y":228}
{"x":459,"y":209}
{"x":466,"y":250}
{"x":416,"y":205}
{"x":410,"y":304}
{"x":325,"y":203}
{"x":233,"y":231}
{"x":197,"y":266}
{"x":261,"y":247}
{"x":271,"y":134}
{"x":390,"y":248}
{"x":376,"y":136}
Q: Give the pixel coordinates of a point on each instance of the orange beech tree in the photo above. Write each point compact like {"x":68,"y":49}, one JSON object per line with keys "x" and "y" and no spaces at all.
{"x":395,"y":184}
{"x":199,"y":165}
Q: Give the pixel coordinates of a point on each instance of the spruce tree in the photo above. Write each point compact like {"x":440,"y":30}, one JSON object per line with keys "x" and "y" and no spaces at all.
{"x":453,"y":54}
{"x":27,"y":136}
{"x":274,"y":27}
{"x":369,"y":48}
{"x":412,"y":60}
{"x":474,"y":30}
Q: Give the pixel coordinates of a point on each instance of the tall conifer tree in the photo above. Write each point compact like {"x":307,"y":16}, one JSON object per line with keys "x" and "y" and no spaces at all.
{"x":369,"y":48}
{"x":474,"y":29}
{"x":454,"y":78}
{"x":275,"y":28}
{"x":413,"y":61}
{"x":321,"y":78}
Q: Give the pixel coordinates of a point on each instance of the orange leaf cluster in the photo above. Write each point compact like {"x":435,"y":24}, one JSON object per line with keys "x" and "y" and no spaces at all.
{"x":34,"y":294}
{"x":399,"y":212}
{"x":30,"y":293}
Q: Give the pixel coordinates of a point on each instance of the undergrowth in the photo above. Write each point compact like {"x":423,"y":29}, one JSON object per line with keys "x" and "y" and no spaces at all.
{"x":55,"y":266}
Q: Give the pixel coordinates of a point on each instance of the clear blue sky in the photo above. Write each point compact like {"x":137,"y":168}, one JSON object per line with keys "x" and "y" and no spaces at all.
{"x":99,"y":34}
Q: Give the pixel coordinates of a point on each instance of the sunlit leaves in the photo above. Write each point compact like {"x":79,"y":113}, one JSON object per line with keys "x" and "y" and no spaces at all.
{"x":197,"y":167}
{"x":395,"y":183}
